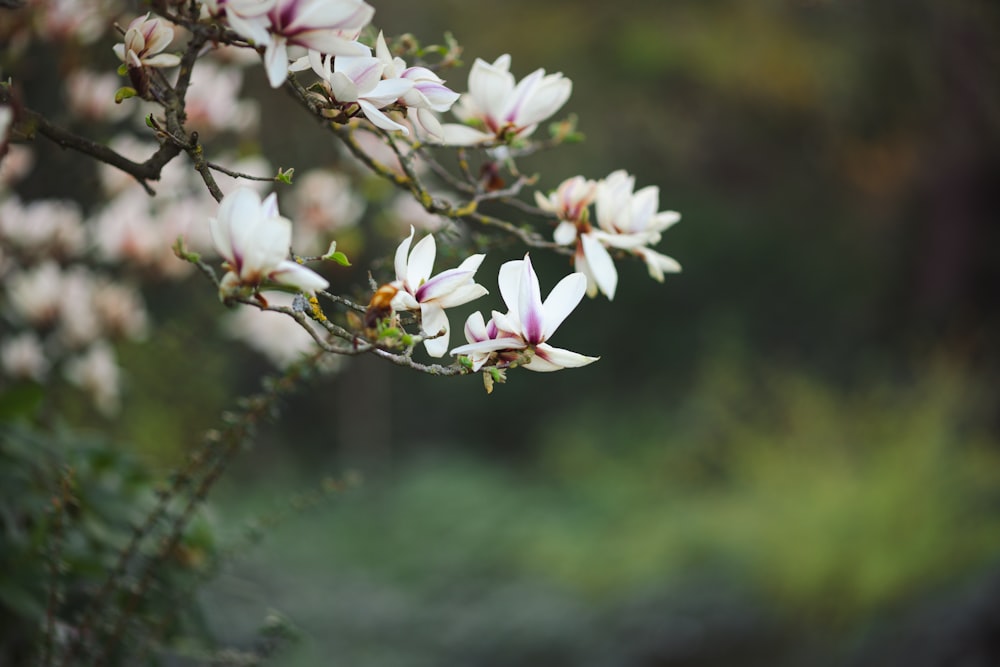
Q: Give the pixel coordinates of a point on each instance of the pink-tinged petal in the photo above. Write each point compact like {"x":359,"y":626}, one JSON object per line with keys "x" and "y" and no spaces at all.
{"x":387,"y":91}
{"x":425,"y":120}
{"x":276,"y":61}
{"x":506,"y":324}
{"x":563,"y":298}
{"x":491,"y":345}
{"x":119,"y":50}
{"x":292,"y":273}
{"x":159,"y":37}
{"x":548,"y":358}
{"x":475,"y":328}
{"x":433,"y":319}
{"x":442,"y":284}
{"x":269,"y":207}
{"x":453,"y":134}
{"x":402,"y":252}
{"x":253,"y":28}
{"x":382,"y":50}
{"x":364,"y":71}
{"x":380,"y":119}
{"x":529,"y":305}
{"x":421,"y":263}
{"x":342,"y":87}
{"x":565,"y":233}
{"x":462,"y":294}
{"x":602,"y":267}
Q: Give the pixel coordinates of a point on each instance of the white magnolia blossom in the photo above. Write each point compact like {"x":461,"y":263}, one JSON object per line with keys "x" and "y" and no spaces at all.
{"x":275,"y":335}
{"x":6,"y":121}
{"x":427,"y":96}
{"x":327,"y":27}
{"x":626,"y":220}
{"x":91,"y":95}
{"x":254,"y":240}
{"x":213,"y":103}
{"x":34,"y":295}
{"x":528,"y":324}
{"x":23,"y":357}
{"x":145,"y":38}
{"x":502,"y":109}
{"x":97,"y":373}
{"x":418,"y":291}
{"x":43,"y":227}
{"x":358,"y":80}
{"x":323,"y":201}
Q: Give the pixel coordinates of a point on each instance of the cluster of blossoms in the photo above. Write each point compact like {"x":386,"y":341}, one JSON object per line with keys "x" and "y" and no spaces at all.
{"x":623,"y":220}
{"x":601,"y":220}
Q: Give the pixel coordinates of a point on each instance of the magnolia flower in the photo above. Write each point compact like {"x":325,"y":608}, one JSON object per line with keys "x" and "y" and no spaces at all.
{"x":24,"y":357}
{"x":144,"y":39}
{"x":626,"y":220}
{"x":254,"y":239}
{"x":358,"y":79}
{"x":6,"y":120}
{"x":325,"y":26}
{"x":529,"y":322}
{"x":502,"y":109}
{"x":428,"y":94}
{"x":97,"y":373}
{"x":417,"y":291}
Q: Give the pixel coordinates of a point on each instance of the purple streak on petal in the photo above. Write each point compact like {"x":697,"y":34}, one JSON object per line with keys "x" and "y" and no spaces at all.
{"x":530,"y":305}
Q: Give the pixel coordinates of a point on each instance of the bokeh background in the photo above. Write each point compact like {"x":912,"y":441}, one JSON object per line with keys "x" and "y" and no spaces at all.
{"x":788,"y":454}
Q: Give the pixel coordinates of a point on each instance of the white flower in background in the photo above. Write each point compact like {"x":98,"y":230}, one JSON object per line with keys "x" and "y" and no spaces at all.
{"x":213,"y":104}
{"x":79,"y":324}
{"x":275,"y":335}
{"x":120,"y":310}
{"x":323,"y":201}
{"x":15,"y":165}
{"x":6,"y":121}
{"x":145,"y":38}
{"x":97,"y":374}
{"x":325,"y":26}
{"x":254,"y":240}
{"x":91,"y":95}
{"x":22,"y":357}
{"x":570,"y":201}
{"x":404,"y":212}
{"x":418,"y":291}
{"x":80,"y":21}
{"x":502,"y":109}
{"x":43,"y":227}
{"x":427,"y":96}
{"x":529,"y":322}
{"x":34,"y":295}
{"x":358,"y":80}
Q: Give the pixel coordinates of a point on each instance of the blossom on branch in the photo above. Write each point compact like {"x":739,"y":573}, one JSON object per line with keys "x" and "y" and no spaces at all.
{"x":254,"y":240}
{"x":144,"y":39}
{"x":522,"y":333}
{"x":496,"y":109}
{"x":358,"y":80}
{"x":418,"y":291}
{"x":626,"y":220}
{"x":328,"y":27}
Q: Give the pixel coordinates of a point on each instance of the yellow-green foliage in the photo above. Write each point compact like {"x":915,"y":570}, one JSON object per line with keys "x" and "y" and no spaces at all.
{"x":831,"y":503}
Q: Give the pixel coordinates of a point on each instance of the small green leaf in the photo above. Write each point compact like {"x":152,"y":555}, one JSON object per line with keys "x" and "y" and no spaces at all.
{"x":339,"y":258}
{"x":124,"y":93}
{"x":285,"y":176}
{"x":122,"y":69}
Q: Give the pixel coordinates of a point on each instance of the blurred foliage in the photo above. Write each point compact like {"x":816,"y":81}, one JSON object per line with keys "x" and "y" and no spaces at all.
{"x":762,"y":504}
{"x":69,"y":505}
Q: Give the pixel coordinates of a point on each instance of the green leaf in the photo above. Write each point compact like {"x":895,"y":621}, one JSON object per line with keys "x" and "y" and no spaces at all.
{"x":339,"y":258}
{"x":285,"y":176}
{"x":124,"y":93}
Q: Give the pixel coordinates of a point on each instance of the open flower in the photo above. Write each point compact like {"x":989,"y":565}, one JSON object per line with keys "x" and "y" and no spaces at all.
{"x":358,"y":80}
{"x":501,"y":109}
{"x":418,"y":291}
{"x":626,"y":220}
{"x":325,"y":26}
{"x":528,"y":324}
{"x":144,"y":39}
{"x":254,"y":240}
{"x":427,"y":95}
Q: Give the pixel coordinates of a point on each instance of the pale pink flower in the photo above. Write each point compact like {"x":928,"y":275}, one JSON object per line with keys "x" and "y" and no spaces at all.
{"x":430,"y":296}
{"x":499,"y":109}
{"x":144,"y":40}
{"x":358,"y":80}
{"x":23,"y":357}
{"x":96,"y":372}
{"x":91,"y":95}
{"x":528,"y":324}
{"x":254,"y":240}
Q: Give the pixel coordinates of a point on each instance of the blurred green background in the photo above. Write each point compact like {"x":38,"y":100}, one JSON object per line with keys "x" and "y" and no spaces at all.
{"x":788,"y":454}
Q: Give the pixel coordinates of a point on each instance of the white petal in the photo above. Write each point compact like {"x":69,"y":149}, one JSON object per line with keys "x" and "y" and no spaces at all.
{"x":565,"y":233}
{"x":421,"y":262}
{"x":602,"y":267}
{"x":379,"y":119}
{"x":401,"y":256}
{"x":529,"y":304}
{"x":548,"y":358}
{"x":490,"y":345}
{"x":563,"y":298}
{"x":292,"y":273}
{"x":432,"y":320}
{"x":276,"y":61}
